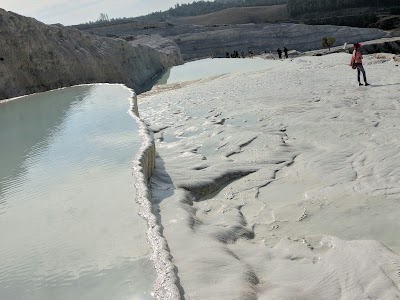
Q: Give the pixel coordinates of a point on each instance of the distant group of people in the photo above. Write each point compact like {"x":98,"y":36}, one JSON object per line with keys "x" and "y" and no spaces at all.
{"x":355,"y":62}
{"x":285,"y":51}
{"x":235,"y":54}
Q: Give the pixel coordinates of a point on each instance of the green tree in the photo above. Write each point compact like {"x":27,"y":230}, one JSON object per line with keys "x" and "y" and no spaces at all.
{"x":328,"y":41}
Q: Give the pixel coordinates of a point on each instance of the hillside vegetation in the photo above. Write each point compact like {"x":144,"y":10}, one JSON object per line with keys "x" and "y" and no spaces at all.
{"x":239,"y":15}
{"x":383,"y":14}
{"x":298,"y":7}
{"x":197,"y":8}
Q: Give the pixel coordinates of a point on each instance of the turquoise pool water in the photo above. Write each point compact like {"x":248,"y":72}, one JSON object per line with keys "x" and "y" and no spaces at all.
{"x":68,"y":219}
{"x":208,"y":67}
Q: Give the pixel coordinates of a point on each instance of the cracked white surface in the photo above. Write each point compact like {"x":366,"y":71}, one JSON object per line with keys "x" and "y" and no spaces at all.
{"x":281,"y":183}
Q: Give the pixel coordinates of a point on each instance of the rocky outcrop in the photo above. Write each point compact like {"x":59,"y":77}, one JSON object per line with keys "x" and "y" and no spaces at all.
{"x":387,"y":45}
{"x":35,"y":57}
{"x":167,"y":49}
{"x":197,"y":41}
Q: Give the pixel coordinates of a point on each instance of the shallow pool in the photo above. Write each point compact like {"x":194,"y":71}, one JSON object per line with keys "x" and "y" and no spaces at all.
{"x":209,"y":67}
{"x":68,"y":219}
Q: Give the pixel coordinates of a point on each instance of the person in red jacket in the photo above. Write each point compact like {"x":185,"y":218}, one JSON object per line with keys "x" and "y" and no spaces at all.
{"x":357,"y":59}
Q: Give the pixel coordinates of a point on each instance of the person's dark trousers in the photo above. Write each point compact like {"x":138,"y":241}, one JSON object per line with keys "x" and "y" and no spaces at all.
{"x":360,"y":69}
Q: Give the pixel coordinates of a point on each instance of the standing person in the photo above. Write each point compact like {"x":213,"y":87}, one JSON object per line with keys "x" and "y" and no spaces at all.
{"x":279,"y":53}
{"x":356,"y":59}
{"x":285,"y":51}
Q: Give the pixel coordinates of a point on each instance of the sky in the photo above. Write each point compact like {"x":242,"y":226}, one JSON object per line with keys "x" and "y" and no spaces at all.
{"x":71,"y":12}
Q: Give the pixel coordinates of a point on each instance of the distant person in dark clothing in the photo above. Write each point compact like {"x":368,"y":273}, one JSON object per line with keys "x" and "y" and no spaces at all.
{"x":279,"y":53}
{"x":227,"y":55}
{"x":242,"y":53}
{"x":285,"y":51}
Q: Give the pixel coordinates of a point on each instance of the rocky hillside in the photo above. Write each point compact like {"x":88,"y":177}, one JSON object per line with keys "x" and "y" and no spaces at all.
{"x":239,"y":15}
{"x":197,"y":41}
{"x":385,"y":18}
{"x":35,"y":57}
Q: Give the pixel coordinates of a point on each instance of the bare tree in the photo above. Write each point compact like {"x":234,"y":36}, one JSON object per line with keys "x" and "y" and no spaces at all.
{"x":103,"y":18}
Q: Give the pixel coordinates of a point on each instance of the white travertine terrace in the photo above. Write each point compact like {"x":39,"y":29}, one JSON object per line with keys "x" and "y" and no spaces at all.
{"x":281,"y":183}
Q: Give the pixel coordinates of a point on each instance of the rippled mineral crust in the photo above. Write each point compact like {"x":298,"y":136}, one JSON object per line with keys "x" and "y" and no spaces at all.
{"x":281,"y":183}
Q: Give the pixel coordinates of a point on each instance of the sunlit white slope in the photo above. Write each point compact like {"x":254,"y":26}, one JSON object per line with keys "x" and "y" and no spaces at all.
{"x":281,"y":183}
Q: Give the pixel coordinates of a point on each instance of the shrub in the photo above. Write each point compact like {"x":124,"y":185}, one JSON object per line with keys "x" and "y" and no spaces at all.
{"x":328,"y":42}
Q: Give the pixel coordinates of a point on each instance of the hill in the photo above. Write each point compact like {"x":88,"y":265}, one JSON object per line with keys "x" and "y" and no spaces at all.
{"x":239,"y":15}
{"x":365,"y":17}
{"x":382,"y":14}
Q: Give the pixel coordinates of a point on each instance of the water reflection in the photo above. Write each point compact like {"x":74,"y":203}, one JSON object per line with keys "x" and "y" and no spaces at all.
{"x":160,"y":79}
{"x":26,"y":128}
{"x":69,"y":222}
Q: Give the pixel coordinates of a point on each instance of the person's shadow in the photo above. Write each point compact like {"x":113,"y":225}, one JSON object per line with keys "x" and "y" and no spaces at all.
{"x":379,"y":85}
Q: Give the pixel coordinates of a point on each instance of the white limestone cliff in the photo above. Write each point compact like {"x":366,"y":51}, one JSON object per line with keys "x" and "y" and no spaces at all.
{"x":197,"y":41}
{"x":35,"y":57}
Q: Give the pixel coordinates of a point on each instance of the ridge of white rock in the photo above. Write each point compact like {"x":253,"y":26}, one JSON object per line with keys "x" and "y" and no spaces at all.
{"x":386,"y":46}
{"x":165,"y":286}
{"x":36,"y":57}
{"x":282,"y":183}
